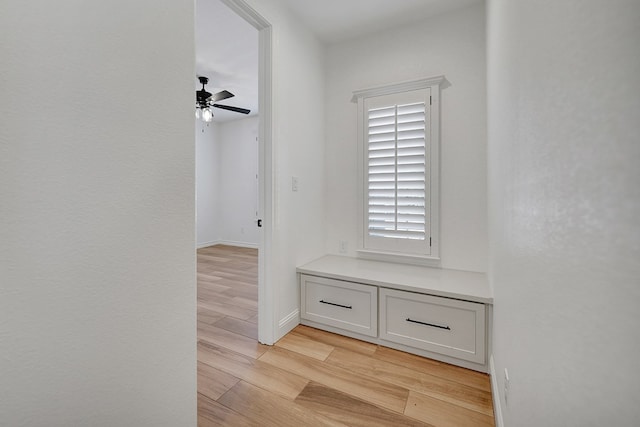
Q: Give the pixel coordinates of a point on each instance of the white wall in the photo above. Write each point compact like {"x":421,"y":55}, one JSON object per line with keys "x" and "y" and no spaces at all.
{"x":237,"y":183}
{"x":298,"y":150}
{"x":97,"y":278}
{"x":564,"y":79}
{"x":227,"y":191}
{"x":207,"y":183}
{"x":452,"y":44}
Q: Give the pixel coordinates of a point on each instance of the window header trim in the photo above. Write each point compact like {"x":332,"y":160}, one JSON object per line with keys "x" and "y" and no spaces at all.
{"x":401,"y":87}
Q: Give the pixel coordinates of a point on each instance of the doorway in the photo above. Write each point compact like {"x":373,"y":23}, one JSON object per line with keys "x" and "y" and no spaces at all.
{"x":266,"y":314}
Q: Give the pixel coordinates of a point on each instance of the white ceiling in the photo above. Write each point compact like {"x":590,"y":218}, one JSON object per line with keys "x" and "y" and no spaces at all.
{"x":338,"y":20}
{"x":227,"y":46}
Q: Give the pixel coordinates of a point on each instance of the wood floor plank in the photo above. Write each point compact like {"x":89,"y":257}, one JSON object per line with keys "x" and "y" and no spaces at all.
{"x":240,"y":267}
{"x":232,"y":252}
{"x":245,"y":302}
{"x":417,"y":379}
{"x":227,"y":310}
{"x":242,"y":271}
{"x":346,"y":409}
{"x":211,"y":413}
{"x":234,"y":280}
{"x":206,"y":258}
{"x":241,"y":327}
{"x":377,"y":392}
{"x":206,"y":277}
{"x":256,"y":372}
{"x":228,"y":278}
{"x":454,"y":373}
{"x":206,"y":292}
{"x":240,"y":289}
{"x":205,"y":422}
{"x":208,"y":316}
{"x":232,"y":341}
{"x":212,"y":283}
{"x":213,"y":382}
{"x":253,"y":319}
{"x":305,"y":345}
{"x":335,"y":340}
{"x":444,"y":414}
{"x":271,"y":410}
{"x":221,"y":298}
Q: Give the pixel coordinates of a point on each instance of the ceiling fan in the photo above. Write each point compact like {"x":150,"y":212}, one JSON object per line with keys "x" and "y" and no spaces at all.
{"x":205,"y":101}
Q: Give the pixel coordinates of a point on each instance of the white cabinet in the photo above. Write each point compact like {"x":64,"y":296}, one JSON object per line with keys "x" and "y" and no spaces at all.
{"x":441,"y":325}
{"x":440,"y":314}
{"x":346,"y":305}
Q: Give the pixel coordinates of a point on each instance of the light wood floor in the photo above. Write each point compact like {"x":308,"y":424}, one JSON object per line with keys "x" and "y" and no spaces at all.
{"x":311,"y":377}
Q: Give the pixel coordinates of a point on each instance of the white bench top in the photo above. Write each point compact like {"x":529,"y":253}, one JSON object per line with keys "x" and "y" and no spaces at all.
{"x":464,"y":285}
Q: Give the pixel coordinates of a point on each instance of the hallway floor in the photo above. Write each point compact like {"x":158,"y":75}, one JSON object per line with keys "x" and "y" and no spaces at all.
{"x":311,"y":377}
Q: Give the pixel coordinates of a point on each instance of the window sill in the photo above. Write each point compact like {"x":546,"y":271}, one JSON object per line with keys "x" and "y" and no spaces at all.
{"x":422,"y":260}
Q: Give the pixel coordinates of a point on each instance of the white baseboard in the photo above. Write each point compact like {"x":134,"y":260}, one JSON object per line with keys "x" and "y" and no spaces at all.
{"x":287,"y":323}
{"x":207,"y":244}
{"x":497,"y":407}
{"x":238,"y":244}
{"x":227,"y":242}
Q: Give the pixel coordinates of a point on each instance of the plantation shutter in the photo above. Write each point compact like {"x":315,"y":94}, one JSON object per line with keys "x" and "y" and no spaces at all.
{"x":397,"y":171}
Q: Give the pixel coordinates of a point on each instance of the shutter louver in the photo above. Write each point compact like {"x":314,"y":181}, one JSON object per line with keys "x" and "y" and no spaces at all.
{"x":397,"y":171}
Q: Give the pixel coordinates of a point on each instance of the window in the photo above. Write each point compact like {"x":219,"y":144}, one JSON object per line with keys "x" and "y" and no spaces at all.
{"x":398,"y":148}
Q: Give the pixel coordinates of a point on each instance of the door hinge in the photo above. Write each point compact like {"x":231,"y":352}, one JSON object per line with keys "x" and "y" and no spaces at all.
{"x":429,"y":241}
{"x":430,"y":101}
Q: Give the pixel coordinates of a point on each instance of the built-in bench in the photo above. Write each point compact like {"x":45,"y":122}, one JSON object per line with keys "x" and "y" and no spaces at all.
{"x":437,"y":313}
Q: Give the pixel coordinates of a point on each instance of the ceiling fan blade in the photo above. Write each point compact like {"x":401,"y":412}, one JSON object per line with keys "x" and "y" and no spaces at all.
{"x":220,"y":96}
{"x":230,"y":108}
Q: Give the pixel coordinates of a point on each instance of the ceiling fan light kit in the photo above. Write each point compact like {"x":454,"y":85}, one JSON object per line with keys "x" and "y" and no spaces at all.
{"x":207,"y":115}
{"x":205,"y":101}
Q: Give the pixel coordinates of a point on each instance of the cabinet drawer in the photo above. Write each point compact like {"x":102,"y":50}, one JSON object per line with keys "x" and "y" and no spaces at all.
{"x":441,"y":325}
{"x":345,"y":305}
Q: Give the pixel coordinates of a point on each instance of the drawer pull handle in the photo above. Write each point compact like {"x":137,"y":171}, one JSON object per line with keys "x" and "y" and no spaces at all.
{"x":337,"y":305}
{"x":428,"y":324}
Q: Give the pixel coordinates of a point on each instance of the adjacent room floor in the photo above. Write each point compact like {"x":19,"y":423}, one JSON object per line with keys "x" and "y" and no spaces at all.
{"x":311,"y":377}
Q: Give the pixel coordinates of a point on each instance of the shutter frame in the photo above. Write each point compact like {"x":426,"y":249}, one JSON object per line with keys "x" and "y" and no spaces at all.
{"x":418,"y":174}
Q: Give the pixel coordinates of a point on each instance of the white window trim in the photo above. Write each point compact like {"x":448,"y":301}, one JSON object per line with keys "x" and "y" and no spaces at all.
{"x":435,"y":84}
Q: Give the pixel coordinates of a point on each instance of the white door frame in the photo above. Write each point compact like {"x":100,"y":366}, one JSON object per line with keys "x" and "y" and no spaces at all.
{"x":267,"y":309}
